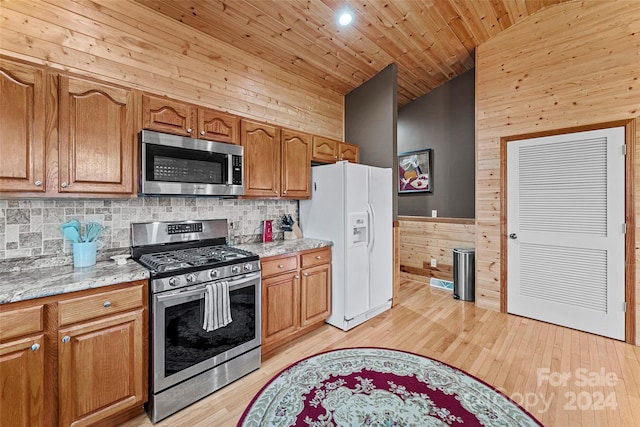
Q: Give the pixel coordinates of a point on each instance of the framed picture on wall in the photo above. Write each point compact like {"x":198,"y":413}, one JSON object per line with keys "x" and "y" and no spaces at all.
{"x":414,"y":171}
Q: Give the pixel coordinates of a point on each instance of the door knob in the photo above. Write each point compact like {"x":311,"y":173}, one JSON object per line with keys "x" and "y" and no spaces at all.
{"x":513,"y":236}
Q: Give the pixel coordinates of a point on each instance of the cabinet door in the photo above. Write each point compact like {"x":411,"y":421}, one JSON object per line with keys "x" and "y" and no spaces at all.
{"x":315,"y":294}
{"x":101,"y":368}
{"x":261,"y":144}
{"x":167,"y":115}
{"x":22,"y":382}
{"x":280,"y":307}
{"x":96,"y":141}
{"x":296,"y":165}
{"x":348,"y":152}
{"x":216,"y":126}
{"x":22,"y":124}
{"x":324,"y":150}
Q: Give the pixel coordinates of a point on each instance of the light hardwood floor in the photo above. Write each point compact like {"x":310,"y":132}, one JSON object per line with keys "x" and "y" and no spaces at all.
{"x":562,"y":376}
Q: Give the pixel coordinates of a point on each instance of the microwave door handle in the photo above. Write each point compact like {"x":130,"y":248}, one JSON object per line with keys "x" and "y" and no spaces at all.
{"x":229,"y":169}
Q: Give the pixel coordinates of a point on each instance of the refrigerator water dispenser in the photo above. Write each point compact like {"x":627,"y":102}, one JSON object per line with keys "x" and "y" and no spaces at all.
{"x":358,"y":229}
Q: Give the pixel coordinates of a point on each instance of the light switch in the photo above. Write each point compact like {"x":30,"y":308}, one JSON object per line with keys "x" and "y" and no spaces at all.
{"x":434,"y":263}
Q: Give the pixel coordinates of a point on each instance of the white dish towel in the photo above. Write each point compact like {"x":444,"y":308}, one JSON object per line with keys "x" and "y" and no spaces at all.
{"x":217,"y":308}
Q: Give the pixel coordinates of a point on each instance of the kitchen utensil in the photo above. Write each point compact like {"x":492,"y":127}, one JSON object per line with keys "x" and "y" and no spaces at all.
{"x":93,"y":230}
{"x":71,"y":230}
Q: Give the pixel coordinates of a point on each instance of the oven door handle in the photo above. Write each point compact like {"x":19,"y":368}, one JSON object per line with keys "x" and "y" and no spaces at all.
{"x":200,"y":289}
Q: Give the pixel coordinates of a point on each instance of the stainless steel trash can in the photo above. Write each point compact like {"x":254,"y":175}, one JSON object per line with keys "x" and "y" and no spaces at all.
{"x":464,"y":274}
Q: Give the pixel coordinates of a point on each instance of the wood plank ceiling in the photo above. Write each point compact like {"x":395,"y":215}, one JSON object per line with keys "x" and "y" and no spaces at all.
{"x":431,"y":41}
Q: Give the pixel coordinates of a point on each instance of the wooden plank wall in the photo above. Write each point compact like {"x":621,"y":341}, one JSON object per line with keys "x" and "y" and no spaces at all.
{"x":126,"y":43}
{"x":423,"y":238}
{"x":568,"y":65}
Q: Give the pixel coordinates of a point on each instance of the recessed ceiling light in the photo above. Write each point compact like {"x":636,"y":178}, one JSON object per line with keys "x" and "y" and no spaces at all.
{"x":345,"y":18}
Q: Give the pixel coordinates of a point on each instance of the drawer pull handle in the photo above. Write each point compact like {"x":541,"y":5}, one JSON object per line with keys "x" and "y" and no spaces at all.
{"x":107,"y":304}
{"x":35,"y":347}
{"x":38,"y":183}
{"x":66,"y":339}
{"x":318,"y":257}
{"x":280,"y":266}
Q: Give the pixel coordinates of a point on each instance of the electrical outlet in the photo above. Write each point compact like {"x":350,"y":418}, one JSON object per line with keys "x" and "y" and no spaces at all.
{"x":434,"y":263}
{"x":434,"y":213}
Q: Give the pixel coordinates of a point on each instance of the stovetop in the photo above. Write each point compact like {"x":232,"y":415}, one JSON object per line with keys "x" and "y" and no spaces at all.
{"x":200,"y":257}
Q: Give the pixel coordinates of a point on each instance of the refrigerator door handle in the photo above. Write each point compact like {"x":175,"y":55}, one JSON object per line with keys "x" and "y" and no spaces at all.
{"x":370,"y":229}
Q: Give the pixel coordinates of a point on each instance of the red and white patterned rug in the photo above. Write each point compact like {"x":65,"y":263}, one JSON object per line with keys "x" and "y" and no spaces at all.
{"x":379,"y":387}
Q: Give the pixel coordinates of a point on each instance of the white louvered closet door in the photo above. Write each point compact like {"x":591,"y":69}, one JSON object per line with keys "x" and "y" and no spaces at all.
{"x":565,"y":222}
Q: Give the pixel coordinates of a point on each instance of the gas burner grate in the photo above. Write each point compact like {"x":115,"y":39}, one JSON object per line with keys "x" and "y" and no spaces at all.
{"x":192,"y":257}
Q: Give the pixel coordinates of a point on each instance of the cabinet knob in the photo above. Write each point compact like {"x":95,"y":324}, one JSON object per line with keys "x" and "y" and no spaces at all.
{"x":296,"y":276}
{"x":66,"y":339}
{"x":38,"y":183}
{"x":284,"y":192}
{"x":305,"y":274}
{"x":107,"y":304}
{"x":35,"y":347}
{"x":318,"y":257}
{"x":189,"y":130}
{"x":201,"y":132}
{"x":64,"y":184}
{"x":275,"y":191}
{"x":280,"y":266}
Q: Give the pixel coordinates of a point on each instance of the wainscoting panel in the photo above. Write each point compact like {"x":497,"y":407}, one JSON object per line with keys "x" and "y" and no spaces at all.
{"x":424,"y":238}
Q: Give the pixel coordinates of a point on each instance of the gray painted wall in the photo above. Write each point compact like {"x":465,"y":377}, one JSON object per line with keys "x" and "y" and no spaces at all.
{"x":444,"y":120}
{"x":370,"y":121}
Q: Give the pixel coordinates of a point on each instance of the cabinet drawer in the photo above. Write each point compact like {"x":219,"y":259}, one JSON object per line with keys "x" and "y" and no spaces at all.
{"x":271,"y":267}
{"x":22,"y":321}
{"x":92,"y":306}
{"x":309,"y":259}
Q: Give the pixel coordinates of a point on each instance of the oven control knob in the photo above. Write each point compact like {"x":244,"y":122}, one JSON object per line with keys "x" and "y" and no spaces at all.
{"x":191,"y":277}
{"x":248,"y":267}
{"x":213,"y":274}
{"x":235,"y":269}
{"x":174,"y":281}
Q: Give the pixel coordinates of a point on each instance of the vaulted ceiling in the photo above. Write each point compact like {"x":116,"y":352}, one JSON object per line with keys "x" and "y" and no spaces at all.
{"x":431,"y":41}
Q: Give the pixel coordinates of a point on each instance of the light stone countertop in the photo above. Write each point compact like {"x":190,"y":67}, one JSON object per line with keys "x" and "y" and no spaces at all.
{"x":281,"y":247}
{"x":41,"y":282}
{"x":26,"y":284}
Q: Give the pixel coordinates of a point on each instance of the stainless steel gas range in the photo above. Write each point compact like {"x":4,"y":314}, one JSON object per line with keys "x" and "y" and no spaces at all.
{"x":205,"y":310}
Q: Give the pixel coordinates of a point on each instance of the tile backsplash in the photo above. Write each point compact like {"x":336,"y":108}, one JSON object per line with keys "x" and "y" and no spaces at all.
{"x":31,"y":227}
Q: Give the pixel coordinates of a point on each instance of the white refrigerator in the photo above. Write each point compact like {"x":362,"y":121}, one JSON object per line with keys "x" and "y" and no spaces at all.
{"x":351,"y":205}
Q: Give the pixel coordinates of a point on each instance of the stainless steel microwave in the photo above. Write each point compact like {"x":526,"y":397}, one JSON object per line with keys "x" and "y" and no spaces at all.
{"x":171,"y":164}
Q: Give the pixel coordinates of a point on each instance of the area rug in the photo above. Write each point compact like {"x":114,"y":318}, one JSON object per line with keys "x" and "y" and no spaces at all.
{"x":379,"y":387}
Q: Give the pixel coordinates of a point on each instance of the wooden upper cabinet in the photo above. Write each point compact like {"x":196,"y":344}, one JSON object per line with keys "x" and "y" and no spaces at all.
{"x":327,"y":150}
{"x":181,"y":118}
{"x":261,"y":144}
{"x":166,"y":115}
{"x":296,"y":164}
{"x":22,"y":128}
{"x":217,"y":126}
{"x":349,"y":152}
{"x":96,"y":138}
{"x":324,"y":149}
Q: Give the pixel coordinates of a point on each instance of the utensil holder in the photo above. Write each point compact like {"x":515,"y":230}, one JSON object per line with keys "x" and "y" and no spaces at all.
{"x":84,"y":254}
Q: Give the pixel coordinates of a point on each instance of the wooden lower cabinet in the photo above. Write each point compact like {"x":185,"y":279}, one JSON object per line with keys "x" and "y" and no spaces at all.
{"x":99,"y":366}
{"x":296,"y":295}
{"x":22,"y":382}
{"x":80,"y":359}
